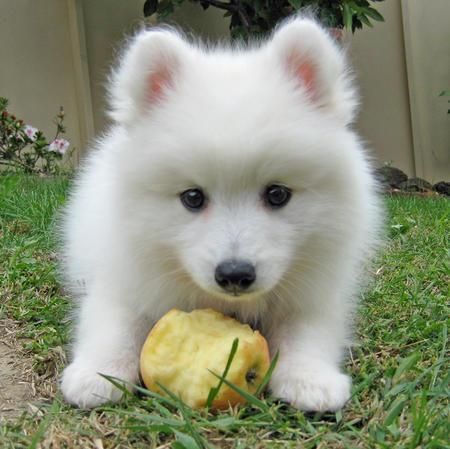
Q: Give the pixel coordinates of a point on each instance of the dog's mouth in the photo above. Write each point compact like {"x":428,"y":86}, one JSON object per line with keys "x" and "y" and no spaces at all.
{"x":241,"y":292}
{"x":236,"y":294}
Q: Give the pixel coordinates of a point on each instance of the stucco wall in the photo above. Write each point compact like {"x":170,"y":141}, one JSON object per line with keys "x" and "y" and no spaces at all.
{"x":377,"y":54}
{"x":378,"y":57}
{"x":427,"y":43}
{"x":108,"y":23}
{"x":36,"y":64}
{"x":62,"y":52}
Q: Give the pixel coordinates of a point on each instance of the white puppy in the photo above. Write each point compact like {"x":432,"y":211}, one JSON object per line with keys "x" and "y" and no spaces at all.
{"x":232,"y":180}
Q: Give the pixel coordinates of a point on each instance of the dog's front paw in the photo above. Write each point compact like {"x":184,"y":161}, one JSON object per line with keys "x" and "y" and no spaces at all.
{"x":82,"y":385}
{"x":312,"y":389}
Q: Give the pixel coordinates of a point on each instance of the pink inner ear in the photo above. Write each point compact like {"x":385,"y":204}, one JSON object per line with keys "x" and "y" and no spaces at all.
{"x":304,"y":71}
{"x":157,"y":83}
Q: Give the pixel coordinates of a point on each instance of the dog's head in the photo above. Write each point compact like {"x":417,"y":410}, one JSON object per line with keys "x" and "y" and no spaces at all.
{"x":234,"y":157}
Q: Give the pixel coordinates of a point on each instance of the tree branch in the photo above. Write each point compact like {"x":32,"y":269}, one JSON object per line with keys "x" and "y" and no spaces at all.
{"x":221,"y":5}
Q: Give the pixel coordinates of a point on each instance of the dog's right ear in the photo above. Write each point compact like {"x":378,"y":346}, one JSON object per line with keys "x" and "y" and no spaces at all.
{"x":147,"y":73}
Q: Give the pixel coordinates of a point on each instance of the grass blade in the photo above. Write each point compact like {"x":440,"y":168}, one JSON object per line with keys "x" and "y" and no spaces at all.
{"x":268,"y":374}
{"x":215,"y":391}
{"x":442,"y":355}
{"x":176,"y":399}
{"x":405,"y":365}
{"x":43,"y":426}
{"x":186,"y":440}
{"x":187,"y":414}
{"x":171,"y":399}
{"x":118,"y":383}
{"x":249,"y":397}
{"x":395,"y":410}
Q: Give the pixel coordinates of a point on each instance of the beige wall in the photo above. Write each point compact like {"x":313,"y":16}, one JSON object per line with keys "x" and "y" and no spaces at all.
{"x":37,"y":68}
{"x":64,"y":57}
{"x":427,"y":43}
{"x":108,"y":22}
{"x":378,"y":56}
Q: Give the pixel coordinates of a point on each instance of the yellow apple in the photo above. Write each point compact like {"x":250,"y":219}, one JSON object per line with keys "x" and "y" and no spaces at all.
{"x":183,"y":348}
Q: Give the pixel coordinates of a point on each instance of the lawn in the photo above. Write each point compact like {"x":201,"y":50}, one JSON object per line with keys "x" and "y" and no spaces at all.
{"x":399,"y":362}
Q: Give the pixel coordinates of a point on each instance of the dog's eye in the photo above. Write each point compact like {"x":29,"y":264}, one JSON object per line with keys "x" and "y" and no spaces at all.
{"x":276,"y":196}
{"x":193,"y":199}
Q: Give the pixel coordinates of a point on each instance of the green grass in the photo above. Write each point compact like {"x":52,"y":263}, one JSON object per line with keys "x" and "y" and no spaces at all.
{"x":399,"y":364}
{"x":29,"y":291}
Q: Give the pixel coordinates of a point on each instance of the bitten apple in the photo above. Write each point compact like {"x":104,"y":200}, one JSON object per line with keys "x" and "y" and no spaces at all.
{"x":183,"y":348}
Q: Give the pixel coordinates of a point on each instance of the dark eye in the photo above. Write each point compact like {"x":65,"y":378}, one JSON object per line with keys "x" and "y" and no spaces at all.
{"x":277,"y":196}
{"x":193,"y":199}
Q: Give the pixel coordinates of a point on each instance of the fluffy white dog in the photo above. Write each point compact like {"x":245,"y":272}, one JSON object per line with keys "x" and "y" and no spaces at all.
{"x":230,"y":179}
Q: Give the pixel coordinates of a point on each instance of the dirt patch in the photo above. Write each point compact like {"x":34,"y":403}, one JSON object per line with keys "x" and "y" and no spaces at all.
{"x":17,"y":388}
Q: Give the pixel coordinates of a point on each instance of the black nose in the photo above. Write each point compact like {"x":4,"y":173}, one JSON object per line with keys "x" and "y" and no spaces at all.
{"x":235,"y":275}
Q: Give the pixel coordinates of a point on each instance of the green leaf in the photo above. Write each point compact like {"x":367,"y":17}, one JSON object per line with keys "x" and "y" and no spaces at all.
{"x":246,"y":395}
{"x":374,"y":14}
{"x":186,"y":440}
{"x":159,"y":428}
{"x":165,"y":8}
{"x":121,"y":386}
{"x":395,"y":410}
{"x":43,"y":426}
{"x":178,"y":445}
{"x":176,"y":399}
{"x":224,"y":423}
{"x":442,"y":356}
{"x":150,"y":7}
{"x":118,"y":383}
{"x":365,"y":20}
{"x":395,"y":390}
{"x":187,"y":413}
{"x":258,"y":5}
{"x":3,"y":103}
{"x":215,"y":391}
{"x":268,"y":375}
{"x":151,"y":418}
{"x":296,"y":4}
{"x":162,"y":410}
{"x":405,"y":365}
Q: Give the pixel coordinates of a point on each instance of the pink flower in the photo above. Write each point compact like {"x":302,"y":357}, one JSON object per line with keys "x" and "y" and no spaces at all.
{"x":31,"y":132}
{"x":59,"y":146}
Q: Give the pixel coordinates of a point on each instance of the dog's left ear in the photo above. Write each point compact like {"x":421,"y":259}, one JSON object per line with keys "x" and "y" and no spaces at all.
{"x":311,"y":58}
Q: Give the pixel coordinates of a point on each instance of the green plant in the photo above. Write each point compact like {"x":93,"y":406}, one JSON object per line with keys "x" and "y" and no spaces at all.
{"x":259,"y":17}
{"x":445,"y":93}
{"x":25,"y":148}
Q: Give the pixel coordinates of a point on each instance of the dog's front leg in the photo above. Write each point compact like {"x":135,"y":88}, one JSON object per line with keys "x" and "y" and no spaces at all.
{"x":308,"y":373}
{"x":107,"y":341}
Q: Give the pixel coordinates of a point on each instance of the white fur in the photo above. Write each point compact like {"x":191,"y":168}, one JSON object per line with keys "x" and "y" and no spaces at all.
{"x":230,"y":122}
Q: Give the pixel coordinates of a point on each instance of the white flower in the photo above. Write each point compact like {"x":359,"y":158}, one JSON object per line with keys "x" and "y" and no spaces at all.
{"x":59,"y":146}
{"x":31,"y":132}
